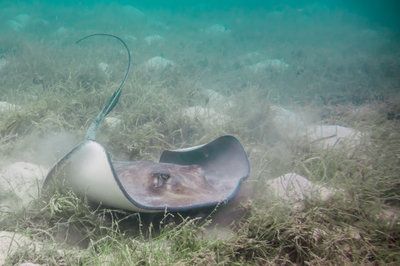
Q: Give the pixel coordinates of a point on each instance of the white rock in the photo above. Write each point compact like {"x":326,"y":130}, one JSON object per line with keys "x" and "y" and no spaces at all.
{"x":23,"y":19}
{"x":132,"y":11}
{"x":62,"y":31}
{"x":217,"y":100}
{"x":158,"y":63}
{"x":217,"y":29}
{"x":207,"y":116}
{"x":29,"y":264}
{"x":11,"y":242}
{"x":112,"y":122}
{"x":8,"y":107}
{"x":23,"y":180}
{"x":153,"y":39}
{"x":269,"y":64}
{"x":104,"y":67}
{"x":294,"y":188}
{"x":130,"y":38}
{"x":330,"y":136}
{"x":3,"y":63}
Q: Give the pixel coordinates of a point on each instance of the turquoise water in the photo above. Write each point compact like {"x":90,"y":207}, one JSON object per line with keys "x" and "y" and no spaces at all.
{"x":320,"y":51}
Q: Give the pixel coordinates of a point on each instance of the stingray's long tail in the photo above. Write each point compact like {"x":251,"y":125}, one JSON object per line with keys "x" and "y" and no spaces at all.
{"x":113,"y":100}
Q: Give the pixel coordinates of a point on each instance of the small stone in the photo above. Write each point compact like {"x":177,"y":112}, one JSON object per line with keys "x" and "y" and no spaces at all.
{"x":294,"y":188}
{"x":104,"y":67}
{"x":289,"y":124}
{"x":217,"y":29}
{"x":132,"y":11}
{"x":10,"y":242}
{"x":216,"y":99}
{"x":207,"y":116}
{"x":330,"y":136}
{"x":23,"y":180}
{"x":62,"y":31}
{"x":269,"y":64}
{"x":158,"y":63}
{"x":23,"y":19}
{"x":112,"y":122}
{"x":153,"y":39}
{"x":130,"y":38}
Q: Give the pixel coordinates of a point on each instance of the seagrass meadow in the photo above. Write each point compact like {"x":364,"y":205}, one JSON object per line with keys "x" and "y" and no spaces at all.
{"x":310,"y":88}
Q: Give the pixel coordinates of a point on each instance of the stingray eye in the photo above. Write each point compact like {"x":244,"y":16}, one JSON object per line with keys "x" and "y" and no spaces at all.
{"x":160,"y":178}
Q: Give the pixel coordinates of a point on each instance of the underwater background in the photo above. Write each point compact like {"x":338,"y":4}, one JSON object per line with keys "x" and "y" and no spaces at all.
{"x":308,"y":87}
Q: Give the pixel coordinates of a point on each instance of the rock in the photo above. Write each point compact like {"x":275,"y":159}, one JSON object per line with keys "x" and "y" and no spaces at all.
{"x":11,"y":242}
{"x":217,"y":100}
{"x":112,"y":122}
{"x":294,"y":189}
{"x":390,"y":216}
{"x":218,"y":233}
{"x":105,"y":68}
{"x":132,"y":12}
{"x":22,"y":180}
{"x":19,"y":22}
{"x":29,"y":264}
{"x":23,"y":19}
{"x":153,"y":39}
{"x":217,"y":29}
{"x":62,"y":31}
{"x":288,"y":124}
{"x":8,"y":107}
{"x":130,"y":38}
{"x":158,"y":63}
{"x":330,"y":136}
{"x":275,"y":65}
{"x":207,"y":116}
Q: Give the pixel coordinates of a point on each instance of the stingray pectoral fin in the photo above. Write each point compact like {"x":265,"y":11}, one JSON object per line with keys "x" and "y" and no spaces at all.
{"x":87,"y":171}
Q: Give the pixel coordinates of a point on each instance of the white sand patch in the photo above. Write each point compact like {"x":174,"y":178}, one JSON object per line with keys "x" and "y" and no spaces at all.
{"x":330,"y":136}
{"x":10,"y":242}
{"x":217,"y":29}
{"x":158,"y":63}
{"x":294,"y":189}
{"x":22,"y":180}
{"x":153,"y":39}
{"x":207,"y":116}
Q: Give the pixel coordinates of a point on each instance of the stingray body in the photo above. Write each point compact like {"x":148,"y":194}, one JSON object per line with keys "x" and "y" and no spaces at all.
{"x":185,"y":179}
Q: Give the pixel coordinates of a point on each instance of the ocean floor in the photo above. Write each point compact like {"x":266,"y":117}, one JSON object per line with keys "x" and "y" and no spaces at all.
{"x":313,"y":94}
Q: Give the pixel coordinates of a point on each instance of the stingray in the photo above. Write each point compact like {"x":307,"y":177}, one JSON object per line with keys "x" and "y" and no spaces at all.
{"x":203,"y":176}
